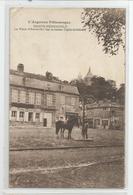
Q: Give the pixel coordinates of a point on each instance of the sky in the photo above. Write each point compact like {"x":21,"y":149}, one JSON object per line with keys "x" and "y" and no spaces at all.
{"x":64,"y":53}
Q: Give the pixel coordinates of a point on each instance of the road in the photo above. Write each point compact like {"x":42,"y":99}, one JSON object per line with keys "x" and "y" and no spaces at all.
{"x":97,"y":167}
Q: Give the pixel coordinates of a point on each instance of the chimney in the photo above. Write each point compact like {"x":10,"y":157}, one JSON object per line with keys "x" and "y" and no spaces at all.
{"x":20,"y":68}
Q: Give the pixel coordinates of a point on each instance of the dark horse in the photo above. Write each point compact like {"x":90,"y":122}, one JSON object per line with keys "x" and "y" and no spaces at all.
{"x":68,"y":125}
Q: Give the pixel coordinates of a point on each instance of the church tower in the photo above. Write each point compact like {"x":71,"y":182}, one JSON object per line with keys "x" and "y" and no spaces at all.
{"x":88,"y":77}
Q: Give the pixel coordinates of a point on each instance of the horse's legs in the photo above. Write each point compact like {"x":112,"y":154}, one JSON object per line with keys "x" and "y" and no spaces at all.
{"x":83,"y":134}
{"x":61,"y":133}
{"x":69,"y":134}
{"x":57,"y":131}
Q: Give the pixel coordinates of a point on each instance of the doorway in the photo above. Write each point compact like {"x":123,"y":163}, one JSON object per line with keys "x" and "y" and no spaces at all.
{"x":30,"y":116}
{"x":45,"y":122}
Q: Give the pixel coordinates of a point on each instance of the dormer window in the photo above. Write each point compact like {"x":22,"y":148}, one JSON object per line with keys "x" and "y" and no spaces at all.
{"x":60,"y":87}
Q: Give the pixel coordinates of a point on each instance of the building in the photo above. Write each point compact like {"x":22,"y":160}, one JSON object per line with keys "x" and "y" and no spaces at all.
{"x":35,"y":100}
{"x":88,"y":77}
{"x":105,"y":115}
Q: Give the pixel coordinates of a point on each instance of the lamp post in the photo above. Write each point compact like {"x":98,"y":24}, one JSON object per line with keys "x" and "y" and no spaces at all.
{"x":83,"y":114}
{"x":86,"y":100}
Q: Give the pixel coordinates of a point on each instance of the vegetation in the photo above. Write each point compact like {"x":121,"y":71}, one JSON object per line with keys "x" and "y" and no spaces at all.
{"x":108,"y":25}
{"x":100,"y":89}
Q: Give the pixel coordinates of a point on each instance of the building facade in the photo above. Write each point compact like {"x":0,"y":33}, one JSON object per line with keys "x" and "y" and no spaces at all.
{"x":105,"y":115}
{"x":34,"y":100}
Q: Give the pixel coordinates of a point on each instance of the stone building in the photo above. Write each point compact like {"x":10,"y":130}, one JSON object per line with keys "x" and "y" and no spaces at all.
{"x":105,"y":115}
{"x":88,"y":77}
{"x":35,"y":100}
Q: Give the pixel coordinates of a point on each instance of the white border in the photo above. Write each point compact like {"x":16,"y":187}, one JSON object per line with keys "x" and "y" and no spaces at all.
{"x":4,"y":69}
{"x":130,"y":103}
{"x":2,"y":110}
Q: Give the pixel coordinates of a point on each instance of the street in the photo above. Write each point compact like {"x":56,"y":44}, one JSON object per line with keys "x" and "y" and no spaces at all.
{"x":44,"y":161}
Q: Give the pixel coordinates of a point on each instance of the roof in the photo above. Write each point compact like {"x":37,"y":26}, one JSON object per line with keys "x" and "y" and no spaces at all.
{"x":89,"y":74}
{"x":37,"y":81}
{"x":104,"y":104}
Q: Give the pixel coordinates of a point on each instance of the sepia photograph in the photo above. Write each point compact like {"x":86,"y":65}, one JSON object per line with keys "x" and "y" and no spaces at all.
{"x":67,"y":97}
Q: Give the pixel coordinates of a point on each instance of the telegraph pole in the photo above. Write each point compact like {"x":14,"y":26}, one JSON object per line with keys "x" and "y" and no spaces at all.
{"x":86,"y":100}
{"x":83,"y":114}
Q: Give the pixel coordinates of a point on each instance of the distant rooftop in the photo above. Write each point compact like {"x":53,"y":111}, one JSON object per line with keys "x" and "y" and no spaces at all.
{"x":57,"y":85}
{"x":104,"y":103}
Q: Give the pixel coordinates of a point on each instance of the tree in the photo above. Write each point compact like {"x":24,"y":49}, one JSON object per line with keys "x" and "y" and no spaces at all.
{"x":85,"y":97}
{"x":82,"y":88}
{"x":99,"y":89}
{"x":102,"y":89}
{"x":108,"y":25}
{"x":121,"y":94}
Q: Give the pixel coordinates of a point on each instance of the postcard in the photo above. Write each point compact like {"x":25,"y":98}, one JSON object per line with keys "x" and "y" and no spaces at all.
{"x":67,"y":97}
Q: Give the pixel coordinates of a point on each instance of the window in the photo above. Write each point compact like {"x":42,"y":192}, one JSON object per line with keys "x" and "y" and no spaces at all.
{"x":22,"y":97}
{"x":48,"y":85}
{"x":49,"y":100}
{"x":14,"y":113}
{"x":21,"y":114}
{"x":97,"y":121}
{"x":61,"y":87}
{"x":106,"y":108}
{"x":76,"y":101}
{"x":62,"y":99}
{"x":30,"y":116}
{"x":113,"y":112}
{"x":104,"y":122}
{"x":73,"y":101}
{"x":37,"y":115}
{"x":38,"y":99}
{"x":68,"y":100}
{"x":31,"y":98}
{"x":14,"y":96}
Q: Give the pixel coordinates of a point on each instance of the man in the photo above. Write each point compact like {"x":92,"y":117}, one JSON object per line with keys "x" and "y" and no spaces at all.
{"x":85,"y":131}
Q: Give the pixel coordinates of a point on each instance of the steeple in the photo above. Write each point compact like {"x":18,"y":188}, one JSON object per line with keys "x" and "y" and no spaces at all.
{"x":89,"y":74}
{"x":88,"y":77}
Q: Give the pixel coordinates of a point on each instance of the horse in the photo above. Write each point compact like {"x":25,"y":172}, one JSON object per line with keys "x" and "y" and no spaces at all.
{"x":59,"y":127}
{"x":68,"y":125}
